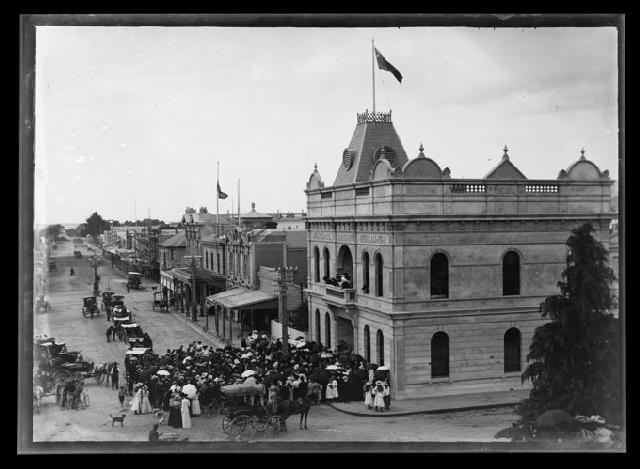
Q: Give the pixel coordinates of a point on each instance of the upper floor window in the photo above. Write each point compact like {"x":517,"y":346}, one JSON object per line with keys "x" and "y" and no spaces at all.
{"x":326,"y":263}
{"x":379,"y":275}
{"x":316,"y":264}
{"x":365,"y":272}
{"x":439,"y":273}
{"x":511,"y":273}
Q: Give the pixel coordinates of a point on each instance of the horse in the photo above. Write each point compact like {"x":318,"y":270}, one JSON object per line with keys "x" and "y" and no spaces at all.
{"x":287,"y":408}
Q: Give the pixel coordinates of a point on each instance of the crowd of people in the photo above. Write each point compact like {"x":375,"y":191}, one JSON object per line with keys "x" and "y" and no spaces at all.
{"x":184,"y":381}
{"x":341,"y":280}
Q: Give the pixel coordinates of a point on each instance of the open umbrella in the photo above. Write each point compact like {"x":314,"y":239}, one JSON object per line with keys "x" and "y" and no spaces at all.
{"x":554,"y":417}
{"x":247,"y":373}
{"x":331,"y":367}
{"x":326,"y":355}
{"x":245,"y":355}
{"x":382,"y":368}
{"x":190,"y":390}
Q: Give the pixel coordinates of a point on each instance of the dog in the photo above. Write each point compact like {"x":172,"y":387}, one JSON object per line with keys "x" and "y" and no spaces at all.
{"x":117,"y":418}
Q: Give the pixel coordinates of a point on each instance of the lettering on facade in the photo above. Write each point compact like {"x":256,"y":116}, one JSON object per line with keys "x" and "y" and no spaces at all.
{"x":372,"y":238}
{"x":345,"y":238}
{"x":322,"y":236}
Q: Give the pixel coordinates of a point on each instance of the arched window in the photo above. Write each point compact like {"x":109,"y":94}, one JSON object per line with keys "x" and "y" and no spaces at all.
{"x":318,"y":335}
{"x":511,"y":273}
{"x":327,"y":330}
{"x":379,"y":289}
{"x":206,"y":260}
{"x":367,"y":344}
{"x":344,"y":262}
{"x":439,"y":271}
{"x":380,"y":346}
{"x":440,"y":355}
{"x":365,"y":272}
{"x":316,"y":264}
{"x":326,"y":262}
{"x":512,"y":350}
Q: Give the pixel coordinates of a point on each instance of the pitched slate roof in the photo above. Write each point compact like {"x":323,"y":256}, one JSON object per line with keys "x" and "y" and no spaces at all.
{"x":176,"y":241}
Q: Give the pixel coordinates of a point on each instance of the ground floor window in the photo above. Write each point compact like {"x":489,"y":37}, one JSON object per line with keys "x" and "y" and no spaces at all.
{"x":440,"y":355}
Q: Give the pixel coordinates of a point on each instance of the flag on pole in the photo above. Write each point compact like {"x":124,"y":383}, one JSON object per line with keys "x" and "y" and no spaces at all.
{"x":384,"y":65}
{"x":221,"y":195}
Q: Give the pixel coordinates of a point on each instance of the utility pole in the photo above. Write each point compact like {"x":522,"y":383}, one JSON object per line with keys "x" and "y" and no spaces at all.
{"x":282,"y":284}
{"x":96,"y":281}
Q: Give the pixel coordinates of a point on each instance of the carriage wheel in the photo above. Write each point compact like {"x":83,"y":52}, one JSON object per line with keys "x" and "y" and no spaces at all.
{"x":242,"y":427}
{"x":226,"y":422}
{"x":273,"y":427}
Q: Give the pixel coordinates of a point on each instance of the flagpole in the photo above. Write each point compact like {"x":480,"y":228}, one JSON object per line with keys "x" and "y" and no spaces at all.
{"x":373,"y":75}
{"x":217,"y":199}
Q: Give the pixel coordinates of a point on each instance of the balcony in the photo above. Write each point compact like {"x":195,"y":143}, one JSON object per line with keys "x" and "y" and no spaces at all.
{"x":343,"y":295}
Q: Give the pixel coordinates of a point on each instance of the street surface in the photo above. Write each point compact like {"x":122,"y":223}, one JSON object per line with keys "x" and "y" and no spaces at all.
{"x":65,"y":322}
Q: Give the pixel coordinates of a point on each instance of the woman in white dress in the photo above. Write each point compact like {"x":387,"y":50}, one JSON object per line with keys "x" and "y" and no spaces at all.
{"x":136,"y":400}
{"x":186,"y":418}
{"x":195,"y":404}
{"x":145,"y":404}
{"x":332,"y":389}
{"x":368,"y":398}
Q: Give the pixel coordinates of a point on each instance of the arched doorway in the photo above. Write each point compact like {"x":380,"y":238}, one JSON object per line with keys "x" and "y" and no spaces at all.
{"x":440,"y":355}
{"x":512,"y":345}
{"x":325,"y":254}
{"x":316,"y":264}
{"x":365,"y":272}
{"x":344,"y":333}
{"x":345,"y":262}
{"x":327,"y":330}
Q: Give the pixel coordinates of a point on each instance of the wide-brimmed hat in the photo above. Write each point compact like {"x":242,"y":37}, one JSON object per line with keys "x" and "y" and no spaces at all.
{"x":378,"y":383}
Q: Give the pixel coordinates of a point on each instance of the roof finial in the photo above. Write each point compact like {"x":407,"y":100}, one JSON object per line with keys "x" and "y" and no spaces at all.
{"x":505,"y":156}
{"x":582,"y":154}
{"x":421,"y":148}
{"x":253,"y":206}
{"x":315,"y":166}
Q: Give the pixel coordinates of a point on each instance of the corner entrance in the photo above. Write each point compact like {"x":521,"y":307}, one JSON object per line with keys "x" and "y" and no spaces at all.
{"x":344,"y":333}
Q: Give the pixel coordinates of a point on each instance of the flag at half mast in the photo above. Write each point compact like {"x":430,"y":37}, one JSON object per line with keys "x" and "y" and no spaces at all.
{"x":221,"y":195}
{"x":384,"y":65}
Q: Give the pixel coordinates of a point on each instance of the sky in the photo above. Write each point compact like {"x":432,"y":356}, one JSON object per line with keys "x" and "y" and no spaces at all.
{"x":132,"y":121}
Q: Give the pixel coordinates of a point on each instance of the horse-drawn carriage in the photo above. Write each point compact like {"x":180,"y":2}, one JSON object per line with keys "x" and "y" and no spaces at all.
{"x":134,"y":280}
{"x":241,"y":419}
{"x":57,"y":364}
{"x":160,"y":301}
{"x":90,"y":306}
{"x":119,"y":312}
{"x":133,"y":334}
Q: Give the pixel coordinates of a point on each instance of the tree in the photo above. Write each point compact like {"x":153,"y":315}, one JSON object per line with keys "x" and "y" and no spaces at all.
{"x":54,"y":231}
{"x":96,"y":225}
{"x":82,"y":230}
{"x":576,"y":356}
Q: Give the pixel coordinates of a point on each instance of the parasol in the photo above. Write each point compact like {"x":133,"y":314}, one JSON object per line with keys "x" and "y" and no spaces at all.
{"x":331,"y":367}
{"x":245,"y":355}
{"x":326,"y":355}
{"x":190,"y":390}
{"x":247,"y":373}
{"x":163,"y":373}
{"x":382,"y":368}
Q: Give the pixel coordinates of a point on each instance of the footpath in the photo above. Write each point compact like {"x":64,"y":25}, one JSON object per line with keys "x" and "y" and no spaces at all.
{"x":437,"y":404}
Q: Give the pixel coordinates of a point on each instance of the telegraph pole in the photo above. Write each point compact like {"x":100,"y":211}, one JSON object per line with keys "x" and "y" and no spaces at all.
{"x":285,"y":280}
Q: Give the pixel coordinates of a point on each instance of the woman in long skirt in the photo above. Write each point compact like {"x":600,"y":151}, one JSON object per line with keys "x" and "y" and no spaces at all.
{"x":195,"y":404}
{"x":368,"y":398}
{"x":135,"y":402}
{"x":175,"y":412}
{"x":145,"y":405}
{"x":186,"y":418}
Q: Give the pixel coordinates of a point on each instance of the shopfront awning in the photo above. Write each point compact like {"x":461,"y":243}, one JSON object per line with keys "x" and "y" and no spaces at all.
{"x":243,"y":298}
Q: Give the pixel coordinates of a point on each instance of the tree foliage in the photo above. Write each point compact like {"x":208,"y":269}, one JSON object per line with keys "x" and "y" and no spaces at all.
{"x":82,"y":230}
{"x":52,"y":231}
{"x":96,"y":225}
{"x":576,"y":356}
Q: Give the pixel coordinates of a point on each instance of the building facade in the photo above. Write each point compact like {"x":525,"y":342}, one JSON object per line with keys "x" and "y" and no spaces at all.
{"x":448,"y":274}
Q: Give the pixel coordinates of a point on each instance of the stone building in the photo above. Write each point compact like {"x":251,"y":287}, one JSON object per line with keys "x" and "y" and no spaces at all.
{"x":448,"y":274}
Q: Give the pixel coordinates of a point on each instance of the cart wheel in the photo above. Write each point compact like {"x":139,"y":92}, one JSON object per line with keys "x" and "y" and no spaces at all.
{"x":226,"y":421}
{"x":242,"y":427}
{"x":273,"y":427}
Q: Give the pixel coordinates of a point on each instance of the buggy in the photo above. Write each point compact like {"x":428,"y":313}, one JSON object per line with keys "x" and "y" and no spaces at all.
{"x":42,"y":305}
{"x":133,"y":333}
{"x":242,"y":420}
{"x":134,"y":280}
{"x":90,"y":306}
{"x":160,"y":301}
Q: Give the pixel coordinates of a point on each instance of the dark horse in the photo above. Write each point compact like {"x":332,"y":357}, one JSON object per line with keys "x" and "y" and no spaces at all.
{"x":287,"y":408}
